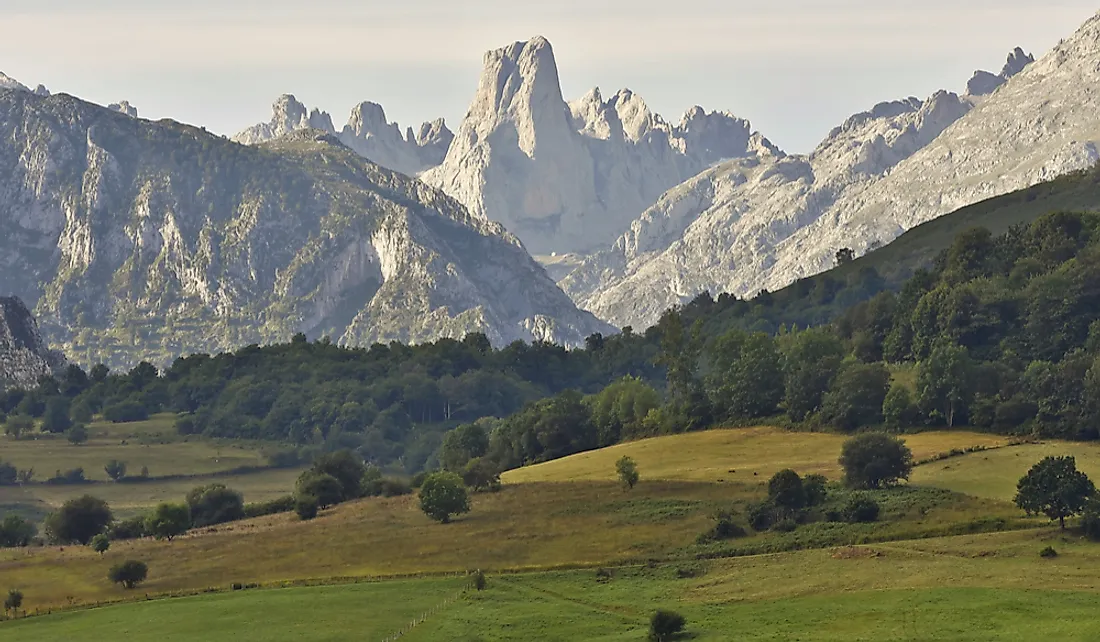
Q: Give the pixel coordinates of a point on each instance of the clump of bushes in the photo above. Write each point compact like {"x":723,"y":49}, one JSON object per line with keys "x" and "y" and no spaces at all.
{"x":1048,"y":552}
{"x":860,"y":509}
{"x":283,"y":504}
{"x":665,"y":625}
{"x":724,"y":528}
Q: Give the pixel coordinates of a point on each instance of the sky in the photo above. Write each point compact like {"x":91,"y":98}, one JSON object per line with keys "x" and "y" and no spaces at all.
{"x":794,"y":68}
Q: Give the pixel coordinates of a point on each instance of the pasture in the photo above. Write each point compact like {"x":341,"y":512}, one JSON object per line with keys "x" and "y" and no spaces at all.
{"x":732,"y":455}
{"x":989,"y":587}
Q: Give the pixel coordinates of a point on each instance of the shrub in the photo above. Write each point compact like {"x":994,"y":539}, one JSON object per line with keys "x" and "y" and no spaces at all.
{"x":16,"y":532}
{"x":785,"y":525}
{"x":1048,"y":552}
{"x":133,"y":528}
{"x":346,"y":468}
{"x":664,"y":625}
{"x":479,"y":581}
{"x":814,"y":486}
{"x":761,"y":516}
{"x":129,"y":573}
{"x":603,"y":575}
{"x":860,"y":509}
{"x":306,"y":507}
{"x":73,"y":476}
{"x":874,"y":460}
{"x":481,"y":475}
{"x":115,"y":469}
{"x":77,"y":435}
{"x":418,"y":479}
{"x":1090,"y":520}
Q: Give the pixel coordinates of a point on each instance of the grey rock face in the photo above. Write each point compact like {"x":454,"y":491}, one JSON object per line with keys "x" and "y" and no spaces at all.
{"x":367,"y":133}
{"x":123,"y":107}
{"x":24,"y":356}
{"x":769,"y":219}
{"x":984,"y":83}
{"x":569,"y":177}
{"x":135,"y":239}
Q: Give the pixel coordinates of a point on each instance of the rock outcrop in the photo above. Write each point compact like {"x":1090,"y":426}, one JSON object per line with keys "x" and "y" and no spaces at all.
{"x":24,"y":356}
{"x":133,"y":239}
{"x":769,"y":219}
{"x":367,"y":132}
{"x":984,"y":83}
{"x":569,"y":177}
{"x":123,"y":107}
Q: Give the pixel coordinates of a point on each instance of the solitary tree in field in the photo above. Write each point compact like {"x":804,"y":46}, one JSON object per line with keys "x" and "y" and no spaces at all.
{"x":1055,"y":488}
{"x":874,"y":460}
{"x":77,"y":435}
{"x":129,"y":573}
{"x":664,"y":625}
{"x":443,"y":495}
{"x":786,"y":491}
{"x":115,"y":469}
{"x":79,"y":520}
{"x":100,"y":543}
{"x":628,"y":472}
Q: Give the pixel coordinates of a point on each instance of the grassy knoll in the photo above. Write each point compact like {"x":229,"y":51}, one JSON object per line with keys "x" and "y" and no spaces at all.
{"x":994,"y":473}
{"x":741,"y":455}
{"x":989,"y":587}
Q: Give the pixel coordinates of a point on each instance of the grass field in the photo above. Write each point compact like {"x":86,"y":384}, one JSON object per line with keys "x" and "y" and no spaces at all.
{"x":741,"y":455}
{"x":988,"y":587}
{"x":152,"y":444}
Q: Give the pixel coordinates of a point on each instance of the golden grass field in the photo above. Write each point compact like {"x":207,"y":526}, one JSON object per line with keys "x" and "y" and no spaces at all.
{"x":740,"y":454}
{"x":994,"y":473}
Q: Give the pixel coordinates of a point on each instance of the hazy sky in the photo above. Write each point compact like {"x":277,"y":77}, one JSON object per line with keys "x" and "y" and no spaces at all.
{"x":795,"y":68}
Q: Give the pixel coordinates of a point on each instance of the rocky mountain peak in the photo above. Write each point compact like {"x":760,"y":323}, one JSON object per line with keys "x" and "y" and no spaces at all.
{"x":367,"y":132}
{"x":7,"y":82}
{"x":569,"y":177}
{"x":123,"y":107}
{"x":984,"y":83}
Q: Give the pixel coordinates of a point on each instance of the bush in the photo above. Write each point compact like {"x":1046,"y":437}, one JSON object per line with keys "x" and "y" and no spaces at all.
{"x":306,"y":507}
{"x":664,"y":625}
{"x":860,"y":509}
{"x":125,"y":412}
{"x":283,"y":504}
{"x":874,"y":460}
{"x":129,"y":573}
{"x":418,"y":479}
{"x":16,"y":532}
{"x":133,"y":528}
{"x":814,"y":486}
{"x":1090,"y":520}
{"x":77,"y":435}
{"x":115,"y":469}
{"x":74,"y":476}
{"x":481,"y":475}
{"x":1048,"y":552}
{"x":761,"y":516}
{"x":785,"y":525}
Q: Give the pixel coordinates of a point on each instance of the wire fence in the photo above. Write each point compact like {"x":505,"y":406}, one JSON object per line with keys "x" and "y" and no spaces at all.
{"x":423,"y":617}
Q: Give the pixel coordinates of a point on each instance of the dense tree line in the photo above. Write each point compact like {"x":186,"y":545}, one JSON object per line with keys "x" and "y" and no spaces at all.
{"x":390,"y":403}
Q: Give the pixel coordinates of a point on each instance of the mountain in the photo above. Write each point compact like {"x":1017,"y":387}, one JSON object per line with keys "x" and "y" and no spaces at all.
{"x":761,"y":223}
{"x":24,"y":356}
{"x":367,"y":133}
{"x":132,"y":239}
{"x":569,"y":177}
